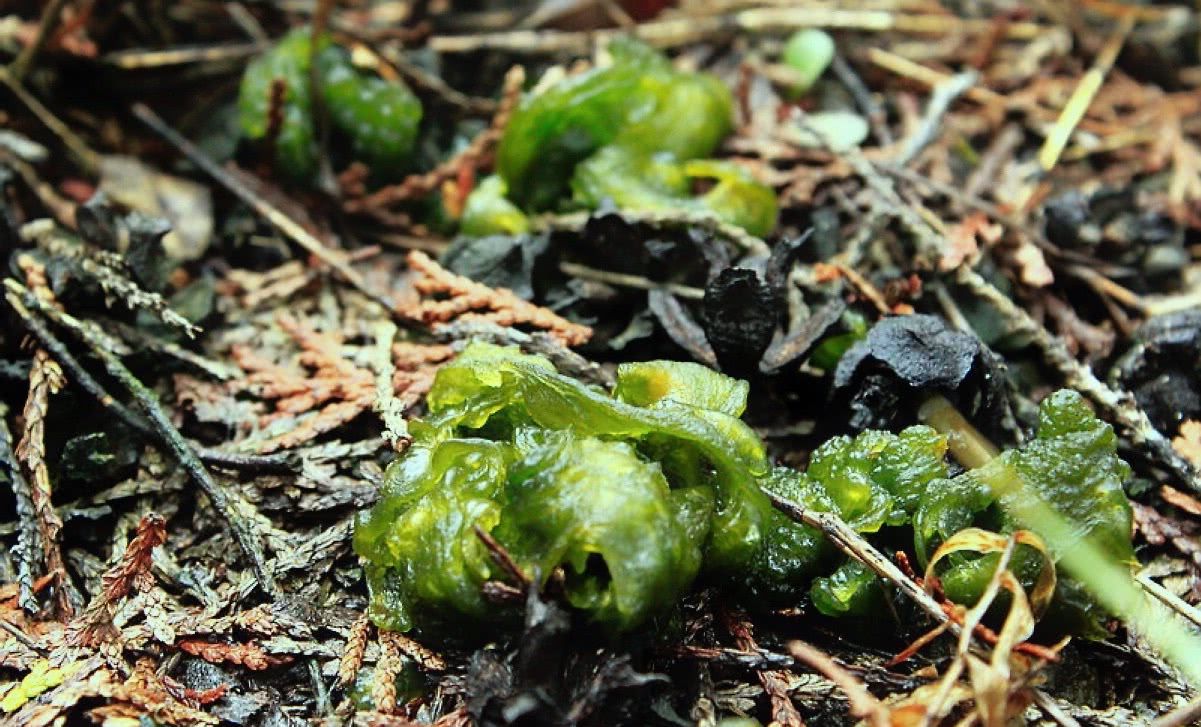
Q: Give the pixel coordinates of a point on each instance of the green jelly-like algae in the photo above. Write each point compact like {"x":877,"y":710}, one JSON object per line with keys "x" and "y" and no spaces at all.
{"x":635,"y":132}
{"x":632,"y":496}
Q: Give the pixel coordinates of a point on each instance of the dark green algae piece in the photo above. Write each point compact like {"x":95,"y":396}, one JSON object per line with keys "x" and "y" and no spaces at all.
{"x":637,"y":494}
{"x":1071,"y":466}
{"x":379,"y":118}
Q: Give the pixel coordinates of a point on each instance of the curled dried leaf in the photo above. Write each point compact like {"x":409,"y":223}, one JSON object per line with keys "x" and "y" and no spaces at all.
{"x":977,"y":540}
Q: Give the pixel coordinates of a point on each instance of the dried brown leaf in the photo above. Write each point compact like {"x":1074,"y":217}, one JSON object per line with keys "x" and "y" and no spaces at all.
{"x":963,"y":237}
{"x":1188,"y":443}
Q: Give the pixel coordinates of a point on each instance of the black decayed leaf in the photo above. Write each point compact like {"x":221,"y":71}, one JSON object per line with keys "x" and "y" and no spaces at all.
{"x":885,"y":377}
{"x":146,"y":257}
{"x":611,"y":242}
{"x":1162,"y":368}
{"x":501,"y":261}
{"x":97,"y":222}
{"x":740,"y":314}
{"x":101,"y":225}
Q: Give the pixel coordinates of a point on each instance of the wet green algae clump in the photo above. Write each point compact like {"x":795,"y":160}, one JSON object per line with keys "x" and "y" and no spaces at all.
{"x":637,"y":494}
{"x":378,"y":118}
{"x":636,"y":132}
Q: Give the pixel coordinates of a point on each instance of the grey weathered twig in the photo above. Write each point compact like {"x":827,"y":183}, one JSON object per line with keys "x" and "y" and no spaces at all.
{"x":854,"y":545}
{"x":24,"y":60}
{"x":140,"y":58}
{"x":940,"y":101}
{"x":863,"y":99}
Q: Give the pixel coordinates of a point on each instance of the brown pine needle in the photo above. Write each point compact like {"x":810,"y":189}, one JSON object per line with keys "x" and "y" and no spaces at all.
{"x":1082,"y":97}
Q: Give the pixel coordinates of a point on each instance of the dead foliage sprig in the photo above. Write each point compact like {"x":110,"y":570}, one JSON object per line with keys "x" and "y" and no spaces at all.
{"x":774,"y":682}
{"x":449,"y":297}
{"x":109,"y":271}
{"x":146,"y":694}
{"x":249,"y":655}
{"x":132,"y":571}
{"x":45,"y":378}
{"x":356,"y":647}
{"x":333,"y":389}
{"x":383,"y":680}
{"x":477,"y":154}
